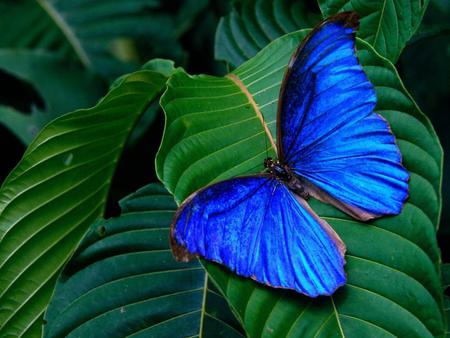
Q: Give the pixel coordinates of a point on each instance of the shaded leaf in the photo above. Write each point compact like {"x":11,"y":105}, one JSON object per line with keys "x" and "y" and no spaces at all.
{"x":123,"y":281}
{"x":252,"y":24}
{"x":56,"y":191}
{"x":386,"y":24}
{"x":63,"y":87}
{"x":214,"y":131}
{"x":103,"y":35}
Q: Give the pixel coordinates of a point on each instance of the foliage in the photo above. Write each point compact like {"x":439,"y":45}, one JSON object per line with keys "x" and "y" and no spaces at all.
{"x":79,"y":39}
{"x":58,"y":189}
{"x":386,"y":25}
{"x":251,"y":25}
{"x":129,"y":257}
{"x":32,"y":66}
{"x":103,"y":35}
{"x":115,"y":276}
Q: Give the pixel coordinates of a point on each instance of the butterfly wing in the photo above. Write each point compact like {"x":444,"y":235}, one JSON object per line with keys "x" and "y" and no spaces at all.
{"x":328,"y":131}
{"x":256,"y":227}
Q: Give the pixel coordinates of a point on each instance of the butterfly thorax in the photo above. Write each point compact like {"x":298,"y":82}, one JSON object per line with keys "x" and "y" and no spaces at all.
{"x":282,"y":172}
{"x":278,"y":169}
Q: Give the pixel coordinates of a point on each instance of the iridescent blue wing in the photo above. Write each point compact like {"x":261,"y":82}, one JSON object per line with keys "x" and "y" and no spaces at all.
{"x":256,"y":227}
{"x":328,"y":132}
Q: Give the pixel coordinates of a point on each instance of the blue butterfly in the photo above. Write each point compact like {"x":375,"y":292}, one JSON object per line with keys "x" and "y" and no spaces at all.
{"x":331,"y":146}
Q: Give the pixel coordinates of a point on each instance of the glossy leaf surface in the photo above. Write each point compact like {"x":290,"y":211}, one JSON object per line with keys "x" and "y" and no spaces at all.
{"x":56,"y":191}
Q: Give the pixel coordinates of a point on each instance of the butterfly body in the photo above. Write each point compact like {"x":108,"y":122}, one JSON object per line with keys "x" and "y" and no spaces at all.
{"x":332,"y":146}
{"x":282,"y":172}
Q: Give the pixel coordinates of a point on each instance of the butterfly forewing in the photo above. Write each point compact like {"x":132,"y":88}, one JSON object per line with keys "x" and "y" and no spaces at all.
{"x":328,"y":132}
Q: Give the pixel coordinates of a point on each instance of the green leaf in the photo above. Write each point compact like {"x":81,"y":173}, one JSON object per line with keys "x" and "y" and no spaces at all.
{"x":104,"y":36}
{"x":386,"y":24}
{"x":252,"y":24}
{"x":214,"y":131}
{"x":163,"y":66}
{"x":166,"y":68}
{"x":56,"y":191}
{"x":53,"y":79}
{"x":123,"y":281}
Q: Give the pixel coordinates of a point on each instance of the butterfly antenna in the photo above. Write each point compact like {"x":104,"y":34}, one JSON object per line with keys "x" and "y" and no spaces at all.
{"x":266,"y":136}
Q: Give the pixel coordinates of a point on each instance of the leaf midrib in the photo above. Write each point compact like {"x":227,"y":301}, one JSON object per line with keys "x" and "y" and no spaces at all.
{"x":337,"y":317}
{"x":251,"y":100}
{"x":379,"y":22}
{"x":203,"y":309}
{"x":69,"y":33}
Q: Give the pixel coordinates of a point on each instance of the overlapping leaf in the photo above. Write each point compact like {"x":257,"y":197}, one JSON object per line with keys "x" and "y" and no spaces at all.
{"x":123,"y":281}
{"x":252,"y":24}
{"x":57,"y":190}
{"x":386,"y":24}
{"x":214,"y":130}
{"x":52,"y":79}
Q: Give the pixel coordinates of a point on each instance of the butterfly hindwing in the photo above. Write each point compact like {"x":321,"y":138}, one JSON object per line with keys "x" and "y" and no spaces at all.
{"x":328,"y":131}
{"x":256,"y":227}
{"x":370,"y":177}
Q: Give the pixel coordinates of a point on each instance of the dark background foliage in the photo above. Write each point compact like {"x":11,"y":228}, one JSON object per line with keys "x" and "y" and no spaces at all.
{"x":424,"y":67}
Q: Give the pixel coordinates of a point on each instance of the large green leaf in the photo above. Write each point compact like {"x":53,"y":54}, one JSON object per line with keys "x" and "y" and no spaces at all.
{"x":214,"y":131}
{"x":57,"y":190}
{"x":252,"y":24}
{"x":386,"y":24}
{"x":53,"y":79}
{"x":123,"y":281}
{"x":103,"y":35}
